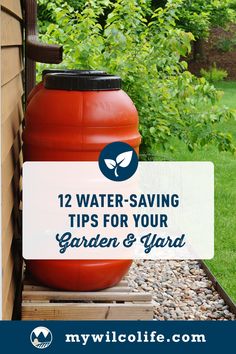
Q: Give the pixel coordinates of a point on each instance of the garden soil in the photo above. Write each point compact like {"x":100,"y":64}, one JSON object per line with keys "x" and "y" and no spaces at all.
{"x":223,"y":60}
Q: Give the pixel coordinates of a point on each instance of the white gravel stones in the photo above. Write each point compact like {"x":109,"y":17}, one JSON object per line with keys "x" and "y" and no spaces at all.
{"x":180,"y":290}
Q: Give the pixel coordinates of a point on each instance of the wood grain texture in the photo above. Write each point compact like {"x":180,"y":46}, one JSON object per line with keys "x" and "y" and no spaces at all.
{"x":11,"y":199}
{"x":31,"y":284}
{"x":11,"y":63}
{"x":116,"y":303}
{"x":10,"y":129}
{"x":11,"y":34}
{"x":11,"y":164}
{"x":116,"y":288}
{"x":11,"y":126}
{"x":7,"y":279}
{"x":8,"y":302}
{"x":47,"y":311}
{"x":13,"y":6}
{"x":7,"y":237}
{"x":11,"y":95}
{"x":84,"y":296}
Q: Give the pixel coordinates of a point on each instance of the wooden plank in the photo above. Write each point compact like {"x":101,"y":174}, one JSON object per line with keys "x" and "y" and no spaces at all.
{"x":7,"y":279}
{"x":48,"y":311}
{"x":43,"y":288}
{"x":11,"y":165}
{"x":9,"y":303}
{"x":10,"y":129}
{"x":123,"y":283}
{"x":13,"y":6}
{"x":12,"y":91}
{"x":10,"y":211}
{"x":10,"y":205}
{"x":12,"y":184}
{"x":7,"y":233}
{"x":42,"y":303}
{"x":32,"y":285}
{"x":9,"y":273}
{"x":11,"y":95}
{"x":6,"y":244}
{"x":116,"y":288}
{"x":84,"y":296}
{"x":10,"y":231}
{"x":11,"y":63}
{"x":11,"y":34}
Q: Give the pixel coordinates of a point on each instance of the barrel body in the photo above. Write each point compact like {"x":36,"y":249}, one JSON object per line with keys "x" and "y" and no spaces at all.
{"x":33,"y":92}
{"x":63,"y":125}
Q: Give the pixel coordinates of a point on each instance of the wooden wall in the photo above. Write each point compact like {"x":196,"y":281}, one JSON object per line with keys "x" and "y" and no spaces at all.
{"x":11,"y":128}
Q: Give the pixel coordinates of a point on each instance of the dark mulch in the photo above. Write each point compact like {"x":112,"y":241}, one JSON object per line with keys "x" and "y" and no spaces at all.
{"x":224,"y":60}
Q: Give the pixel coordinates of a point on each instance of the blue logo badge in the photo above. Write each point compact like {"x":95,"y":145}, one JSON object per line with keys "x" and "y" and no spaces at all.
{"x":118,"y":161}
{"x":41,"y":337}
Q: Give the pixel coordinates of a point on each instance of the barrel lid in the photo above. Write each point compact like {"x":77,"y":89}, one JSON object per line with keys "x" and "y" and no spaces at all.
{"x":72,"y":71}
{"x":65,"y":81}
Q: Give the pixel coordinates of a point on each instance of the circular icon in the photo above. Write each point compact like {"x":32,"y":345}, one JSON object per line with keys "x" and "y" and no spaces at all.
{"x":118,"y":161}
{"x":41,"y":337}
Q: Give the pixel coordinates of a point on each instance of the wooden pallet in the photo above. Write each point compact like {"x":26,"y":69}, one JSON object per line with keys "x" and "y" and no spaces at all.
{"x":116,"y":303}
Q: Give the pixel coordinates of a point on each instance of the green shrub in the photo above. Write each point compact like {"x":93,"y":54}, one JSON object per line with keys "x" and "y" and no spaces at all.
{"x":146,"y":54}
{"x":214,"y":74}
{"x":226,"y":44}
{"x":199,"y":16}
{"x":76,"y":4}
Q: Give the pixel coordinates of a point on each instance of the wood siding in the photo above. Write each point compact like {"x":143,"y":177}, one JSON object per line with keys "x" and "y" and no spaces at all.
{"x":11,"y":128}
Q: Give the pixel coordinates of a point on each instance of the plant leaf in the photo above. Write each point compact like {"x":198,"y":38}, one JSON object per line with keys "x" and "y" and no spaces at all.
{"x":111,"y":164}
{"x":124,"y":159}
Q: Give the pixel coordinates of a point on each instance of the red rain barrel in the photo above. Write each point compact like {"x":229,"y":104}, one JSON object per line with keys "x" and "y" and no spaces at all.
{"x":72,"y":118}
{"x":54,"y":71}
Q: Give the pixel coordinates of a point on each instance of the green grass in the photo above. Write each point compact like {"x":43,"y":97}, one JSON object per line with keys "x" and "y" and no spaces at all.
{"x":229,"y":98}
{"x":223,"y":265}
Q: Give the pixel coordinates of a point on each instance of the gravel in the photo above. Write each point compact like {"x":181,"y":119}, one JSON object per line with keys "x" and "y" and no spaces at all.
{"x":180,"y":290}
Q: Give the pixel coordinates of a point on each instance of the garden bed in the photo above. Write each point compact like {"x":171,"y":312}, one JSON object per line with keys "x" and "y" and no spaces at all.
{"x":219,"y":49}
